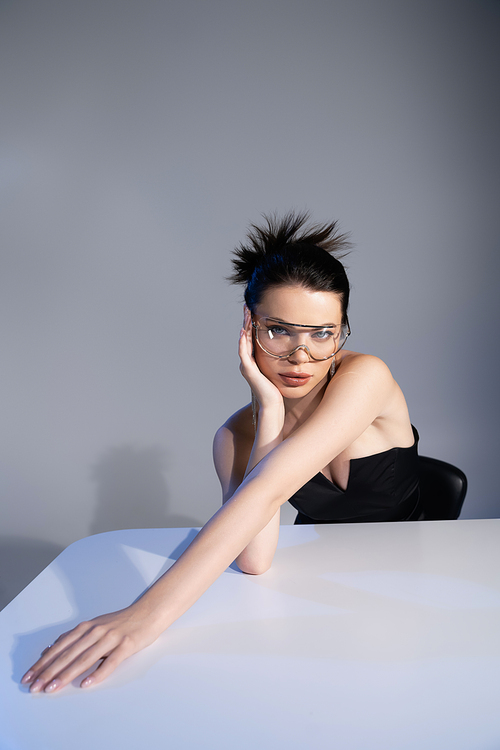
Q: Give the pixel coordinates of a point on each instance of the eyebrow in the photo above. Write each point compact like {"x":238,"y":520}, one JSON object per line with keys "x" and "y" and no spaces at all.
{"x":299,"y":325}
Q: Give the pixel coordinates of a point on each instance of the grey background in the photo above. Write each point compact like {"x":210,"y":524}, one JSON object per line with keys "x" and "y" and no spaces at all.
{"x":138,"y":140}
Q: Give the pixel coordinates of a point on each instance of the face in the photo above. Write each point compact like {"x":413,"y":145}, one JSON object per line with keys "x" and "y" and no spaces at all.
{"x":297,"y":375}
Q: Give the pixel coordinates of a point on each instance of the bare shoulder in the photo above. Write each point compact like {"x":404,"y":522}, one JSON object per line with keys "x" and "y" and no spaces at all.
{"x":364,"y":365}
{"x":238,"y":427}
{"x":232,"y":447}
{"x":364,"y":378}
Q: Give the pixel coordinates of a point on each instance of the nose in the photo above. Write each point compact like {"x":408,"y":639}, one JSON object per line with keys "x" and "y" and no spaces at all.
{"x":299,"y":356}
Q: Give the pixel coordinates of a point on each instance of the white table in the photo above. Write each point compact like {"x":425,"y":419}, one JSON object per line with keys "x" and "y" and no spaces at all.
{"x":361,"y":636}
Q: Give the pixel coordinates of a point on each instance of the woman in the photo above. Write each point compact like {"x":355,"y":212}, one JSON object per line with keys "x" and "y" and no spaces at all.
{"x":327,"y":428}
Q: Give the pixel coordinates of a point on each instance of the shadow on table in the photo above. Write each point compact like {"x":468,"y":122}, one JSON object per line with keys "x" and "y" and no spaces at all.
{"x":91,"y":589}
{"x":359,"y":604}
{"x":192,"y":534}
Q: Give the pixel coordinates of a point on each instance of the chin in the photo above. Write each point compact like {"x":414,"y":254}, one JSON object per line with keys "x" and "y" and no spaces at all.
{"x":292,"y":394}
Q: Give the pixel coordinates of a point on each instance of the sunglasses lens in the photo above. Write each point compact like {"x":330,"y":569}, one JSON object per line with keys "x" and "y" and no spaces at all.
{"x":279,"y":339}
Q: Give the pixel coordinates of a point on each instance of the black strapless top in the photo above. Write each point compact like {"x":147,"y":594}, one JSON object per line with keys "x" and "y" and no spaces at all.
{"x":382,"y":487}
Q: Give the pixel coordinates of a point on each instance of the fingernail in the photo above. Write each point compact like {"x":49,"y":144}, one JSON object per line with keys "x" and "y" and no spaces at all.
{"x":36,"y":687}
{"x":27,"y":677}
{"x":87,"y":681}
{"x":53,"y":686}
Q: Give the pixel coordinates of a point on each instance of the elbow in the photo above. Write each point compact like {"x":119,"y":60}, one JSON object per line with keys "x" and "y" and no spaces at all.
{"x":254,"y":570}
{"x":253,"y":567}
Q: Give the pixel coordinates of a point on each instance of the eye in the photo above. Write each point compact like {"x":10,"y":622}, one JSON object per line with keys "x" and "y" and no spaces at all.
{"x":324,"y":335}
{"x":275,"y":331}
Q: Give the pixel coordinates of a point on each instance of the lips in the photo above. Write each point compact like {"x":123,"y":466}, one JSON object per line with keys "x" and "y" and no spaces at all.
{"x":295,"y":378}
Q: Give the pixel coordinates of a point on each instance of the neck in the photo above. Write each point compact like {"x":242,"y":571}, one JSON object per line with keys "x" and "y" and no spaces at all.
{"x":298,"y":410}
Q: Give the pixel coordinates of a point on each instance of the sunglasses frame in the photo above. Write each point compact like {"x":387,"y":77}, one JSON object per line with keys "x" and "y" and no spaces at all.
{"x":256,"y":328}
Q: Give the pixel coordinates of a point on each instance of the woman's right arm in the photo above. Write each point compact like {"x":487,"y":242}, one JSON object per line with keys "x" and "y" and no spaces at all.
{"x":257,"y":556}
{"x":229,"y":458}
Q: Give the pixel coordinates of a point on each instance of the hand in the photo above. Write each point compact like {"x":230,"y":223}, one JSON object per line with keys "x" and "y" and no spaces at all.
{"x":112,"y":638}
{"x":266,"y":393}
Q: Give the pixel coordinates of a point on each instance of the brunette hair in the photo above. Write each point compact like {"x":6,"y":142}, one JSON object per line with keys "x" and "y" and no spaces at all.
{"x":288,"y":250}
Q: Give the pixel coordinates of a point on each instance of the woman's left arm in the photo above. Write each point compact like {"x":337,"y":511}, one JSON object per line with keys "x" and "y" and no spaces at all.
{"x":362,"y":391}
{"x":355,"y":398}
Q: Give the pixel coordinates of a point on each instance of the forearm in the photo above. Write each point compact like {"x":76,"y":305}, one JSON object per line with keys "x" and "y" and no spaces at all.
{"x":216,"y":546}
{"x":258,"y":554}
{"x":269,"y":434}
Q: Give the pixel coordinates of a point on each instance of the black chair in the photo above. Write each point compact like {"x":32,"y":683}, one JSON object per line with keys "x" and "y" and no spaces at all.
{"x":442,"y":489}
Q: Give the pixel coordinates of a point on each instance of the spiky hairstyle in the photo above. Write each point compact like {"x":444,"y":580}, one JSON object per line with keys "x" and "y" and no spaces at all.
{"x":289,"y":250}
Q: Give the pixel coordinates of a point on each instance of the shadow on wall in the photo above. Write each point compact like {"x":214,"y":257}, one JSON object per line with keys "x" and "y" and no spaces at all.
{"x":132,"y":491}
{"x":21,"y":560}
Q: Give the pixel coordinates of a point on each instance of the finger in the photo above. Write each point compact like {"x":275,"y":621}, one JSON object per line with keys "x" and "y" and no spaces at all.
{"x":57,"y":640}
{"x":245,"y":349}
{"x":243,"y":342}
{"x":50,"y":653}
{"x":53,"y":665}
{"x":79,"y":666}
{"x":58,"y":676}
{"x":248,"y":321}
{"x":108,"y":665}
{"x":112,"y":650}
{"x":67,"y":632}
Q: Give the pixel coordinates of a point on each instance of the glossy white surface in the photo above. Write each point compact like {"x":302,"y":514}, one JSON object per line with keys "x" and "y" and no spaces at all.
{"x":359,"y":637}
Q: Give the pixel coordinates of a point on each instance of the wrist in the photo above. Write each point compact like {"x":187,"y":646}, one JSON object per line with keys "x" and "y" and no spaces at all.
{"x":154,"y":607}
{"x":274,"y":411}
{"x":270,"y":419}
